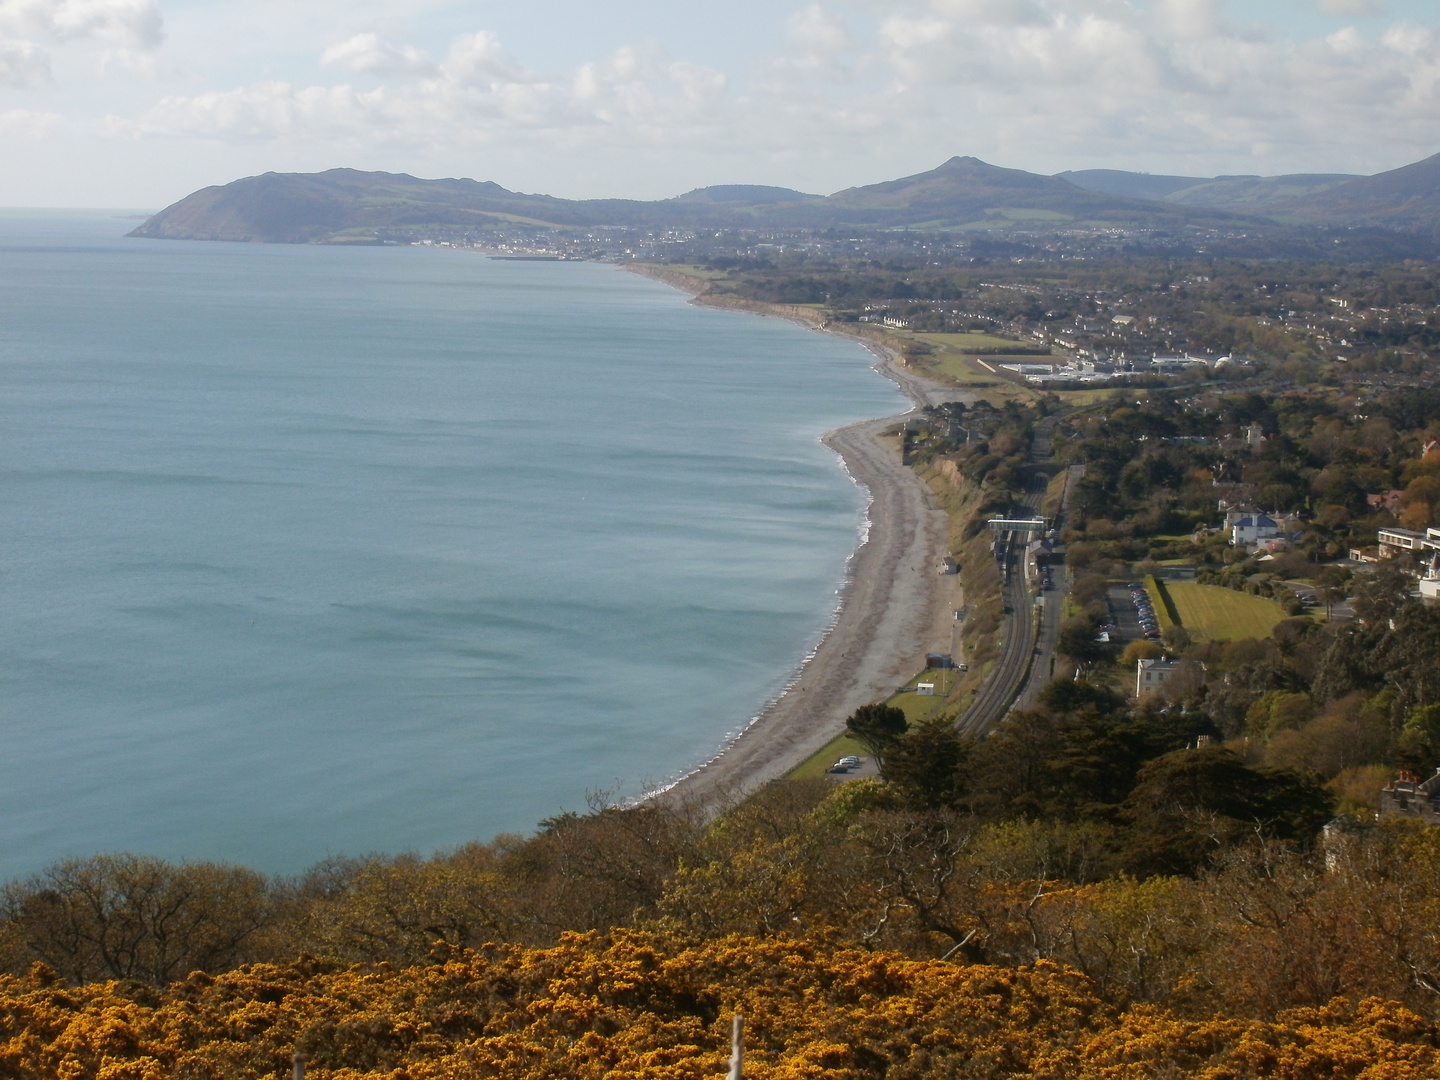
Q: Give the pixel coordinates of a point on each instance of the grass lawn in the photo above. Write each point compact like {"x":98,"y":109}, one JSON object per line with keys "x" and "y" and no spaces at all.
{"x":961,"y":370}
{"x":915,"y":707}
{"x":1213,"y":613}
{"x":689,"y":270}
{"x":985,"y":344}
{"x":1083,"y":397}
{"x":817,"y":766}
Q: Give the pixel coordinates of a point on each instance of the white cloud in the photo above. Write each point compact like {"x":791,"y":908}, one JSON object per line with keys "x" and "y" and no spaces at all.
{"x":480,"y":59}
{"x":133,"y":26}
{"x":1345,"y":8}
{"x":816,"y":29}
{"x":267,"y":111}
{"x":370,"y":54}
{"x":1093,"y":79}
{"x":136,"y":22}
{"x":1175,"y":85}
{"x":480,"y":93}
{"x":700,"y":85}
{"x":29,"y":125}
{"x":23,"y":64}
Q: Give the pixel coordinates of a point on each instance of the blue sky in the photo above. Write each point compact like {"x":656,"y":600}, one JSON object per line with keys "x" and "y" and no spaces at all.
{"x":137,"y":102}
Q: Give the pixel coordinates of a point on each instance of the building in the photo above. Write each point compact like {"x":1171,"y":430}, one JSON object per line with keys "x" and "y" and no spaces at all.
{"x":1429,"y":585}
{"x":1151,"y":675}
{"x":1395,"y":541}
{"x":1385,"y":500}
{"x":1408,"y":796}
{"x":1249,"y":531}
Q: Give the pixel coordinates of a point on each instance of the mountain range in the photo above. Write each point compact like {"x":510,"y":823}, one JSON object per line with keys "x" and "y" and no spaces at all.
{"x":964,"y":193}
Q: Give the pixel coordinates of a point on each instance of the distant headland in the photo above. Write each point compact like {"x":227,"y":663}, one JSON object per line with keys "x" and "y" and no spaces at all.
{"x":963,"y":194}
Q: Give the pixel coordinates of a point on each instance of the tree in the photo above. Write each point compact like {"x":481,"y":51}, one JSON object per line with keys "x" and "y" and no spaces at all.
{"x":1073,"y":695}
{"x":136,"y":917}
{"x":927,"y":765}
{"x":1381,"y":595}
{"x":876,"y":727}
{"x":1140,"y":650}
{"x":1191,"y":804}
{"x":1419,"y":744}
{"x":1077,"y":639}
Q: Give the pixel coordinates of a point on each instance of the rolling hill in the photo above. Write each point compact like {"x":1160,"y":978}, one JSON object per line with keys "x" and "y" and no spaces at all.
{"x":1407,"y":198}
{"x":345,"y":204}
{"x":964,"y":193}
{"x":1237,"y":194}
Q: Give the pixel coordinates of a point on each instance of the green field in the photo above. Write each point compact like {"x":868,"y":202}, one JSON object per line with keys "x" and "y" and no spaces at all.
{"x":915,"y":708}
{"x":962,"y":370}
{"x":985,"y":344}
{"x":817,"y":766}
{"x":1213,"y":613}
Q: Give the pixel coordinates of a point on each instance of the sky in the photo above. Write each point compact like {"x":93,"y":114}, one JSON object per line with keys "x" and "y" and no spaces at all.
{"x":136,"y":103}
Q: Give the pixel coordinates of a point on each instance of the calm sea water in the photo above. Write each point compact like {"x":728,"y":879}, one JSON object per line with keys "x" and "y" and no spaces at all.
{"x":310,"y":551}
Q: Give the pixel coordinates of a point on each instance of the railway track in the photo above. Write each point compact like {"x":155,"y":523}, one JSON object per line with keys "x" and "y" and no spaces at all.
{"x":1012,"y":670}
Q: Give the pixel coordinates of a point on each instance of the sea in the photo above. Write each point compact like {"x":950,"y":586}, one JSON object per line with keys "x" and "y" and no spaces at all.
{"x":321,"y":551}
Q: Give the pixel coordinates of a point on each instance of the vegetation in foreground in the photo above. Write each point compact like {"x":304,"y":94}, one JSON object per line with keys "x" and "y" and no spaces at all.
{"x":631,"y":1005}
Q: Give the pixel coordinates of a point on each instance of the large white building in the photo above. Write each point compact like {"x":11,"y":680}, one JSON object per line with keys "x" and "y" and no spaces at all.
{"x":1150,"y":675}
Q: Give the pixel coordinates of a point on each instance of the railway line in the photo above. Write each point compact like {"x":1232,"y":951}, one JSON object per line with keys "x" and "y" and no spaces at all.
{"x":1022,"y":669}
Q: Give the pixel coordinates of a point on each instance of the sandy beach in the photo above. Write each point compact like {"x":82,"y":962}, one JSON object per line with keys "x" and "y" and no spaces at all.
{"x":894,"y":606}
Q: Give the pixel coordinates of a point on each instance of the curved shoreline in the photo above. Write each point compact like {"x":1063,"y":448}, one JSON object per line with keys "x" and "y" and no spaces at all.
{"x":892,"y":602}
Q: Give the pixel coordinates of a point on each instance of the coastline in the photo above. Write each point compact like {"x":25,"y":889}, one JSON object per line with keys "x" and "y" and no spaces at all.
{"x":893,"y":606}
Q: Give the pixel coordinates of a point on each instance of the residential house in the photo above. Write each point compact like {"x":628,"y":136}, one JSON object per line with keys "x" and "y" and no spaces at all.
{"x":1385,"y":500}
{"x":1249,"y":531}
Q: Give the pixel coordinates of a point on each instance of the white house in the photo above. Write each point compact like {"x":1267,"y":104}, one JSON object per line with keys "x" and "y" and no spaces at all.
{"x":1249,"y":531}
{"x":1430,"y":577}
{"x":1150,"y":675}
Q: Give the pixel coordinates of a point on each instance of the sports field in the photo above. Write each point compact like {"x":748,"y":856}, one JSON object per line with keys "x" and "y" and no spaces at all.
{"x":985,"y":344}
{"x":1212,"y":613}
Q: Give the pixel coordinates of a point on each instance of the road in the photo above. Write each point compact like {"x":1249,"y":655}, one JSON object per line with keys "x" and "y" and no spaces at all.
{"x":1027,"y":655}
